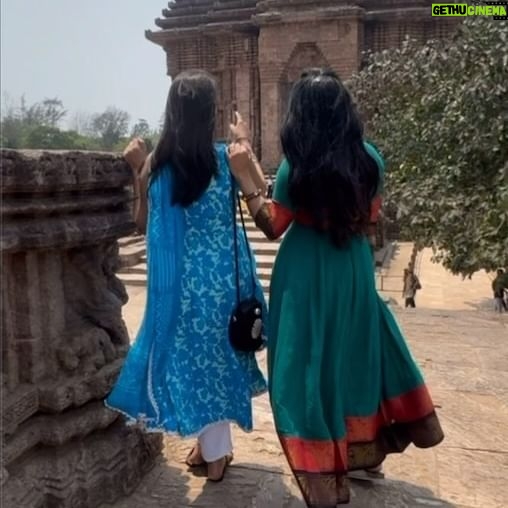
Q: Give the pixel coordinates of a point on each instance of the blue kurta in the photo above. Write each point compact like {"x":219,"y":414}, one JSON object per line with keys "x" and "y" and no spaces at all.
{"x":182,"y":374}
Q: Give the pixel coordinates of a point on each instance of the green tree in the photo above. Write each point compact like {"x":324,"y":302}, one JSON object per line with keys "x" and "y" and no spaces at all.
{"x":110,"y":126}
{"x":11,"y":132}
{"x":37,"y":126}
{"x":48,"y":113}
{"x":141,"y":129}
{"x":52,"y":138}
{"x":13,"y":125}
{"x":81,"y":122}
{"x":22,"y":125}
{"x":440,"y":115}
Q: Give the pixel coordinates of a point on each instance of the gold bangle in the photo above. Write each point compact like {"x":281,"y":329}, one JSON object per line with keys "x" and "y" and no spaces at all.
{"x":252,"y":195}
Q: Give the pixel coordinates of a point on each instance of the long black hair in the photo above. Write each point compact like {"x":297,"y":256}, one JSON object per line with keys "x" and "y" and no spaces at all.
{"x":186,"y":141}
{"x":332,"y":178}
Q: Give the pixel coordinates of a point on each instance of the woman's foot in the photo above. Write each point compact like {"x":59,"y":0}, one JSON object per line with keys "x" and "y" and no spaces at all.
{"x":371,"y":473}
{"x":217,"y":469}
{"x":375,"y":472}
{"x":195,"y":459}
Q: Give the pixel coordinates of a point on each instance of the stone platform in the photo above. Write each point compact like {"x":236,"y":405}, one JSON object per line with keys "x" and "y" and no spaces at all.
{"x":463,"y":355}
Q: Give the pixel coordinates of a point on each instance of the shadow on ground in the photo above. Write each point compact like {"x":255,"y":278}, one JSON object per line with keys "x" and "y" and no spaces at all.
{"x":248,"y":485}
{"x":392,"y":493}
{"x":484,"y":304}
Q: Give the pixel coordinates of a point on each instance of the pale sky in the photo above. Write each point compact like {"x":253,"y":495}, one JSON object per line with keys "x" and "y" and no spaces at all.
{"x":90,"y":54}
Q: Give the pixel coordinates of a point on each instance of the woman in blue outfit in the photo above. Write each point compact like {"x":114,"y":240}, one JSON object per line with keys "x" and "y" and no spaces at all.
{"x":181,"y":374}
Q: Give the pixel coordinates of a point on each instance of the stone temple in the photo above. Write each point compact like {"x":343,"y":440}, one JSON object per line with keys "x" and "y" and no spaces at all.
{"x":257,"y":49}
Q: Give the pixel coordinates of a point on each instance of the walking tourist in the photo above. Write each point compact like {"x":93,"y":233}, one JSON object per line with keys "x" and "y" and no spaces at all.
{"x":505,"y":279}
{"x":499,"y":286}
{"x":411,"y":286}
{"x":344,"y":388}
{"x":182,"y":375}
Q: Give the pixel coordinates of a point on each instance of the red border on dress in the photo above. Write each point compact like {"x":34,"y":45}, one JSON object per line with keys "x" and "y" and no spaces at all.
{"x":317,"y":456}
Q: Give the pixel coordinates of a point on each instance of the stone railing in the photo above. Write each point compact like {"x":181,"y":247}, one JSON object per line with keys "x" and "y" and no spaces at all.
{"x":63,"y":337}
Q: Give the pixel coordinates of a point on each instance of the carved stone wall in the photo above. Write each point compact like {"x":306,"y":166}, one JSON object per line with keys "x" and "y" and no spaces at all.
{"x":257,"y":47}
{"x":227,"y":48}
{"x":63,"y":337}
{"x":295,"y":37}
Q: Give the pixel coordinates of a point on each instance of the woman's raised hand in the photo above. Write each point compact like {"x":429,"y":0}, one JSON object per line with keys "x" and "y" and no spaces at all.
{"x":239,"y":130}
{"x":240,"y":160}
{"x":135,"y":154}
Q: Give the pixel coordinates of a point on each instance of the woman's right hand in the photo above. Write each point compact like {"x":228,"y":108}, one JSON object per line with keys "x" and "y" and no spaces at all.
{"x":239,"y":130}
{"x":135,"y":154}
{"x":239,"y":161}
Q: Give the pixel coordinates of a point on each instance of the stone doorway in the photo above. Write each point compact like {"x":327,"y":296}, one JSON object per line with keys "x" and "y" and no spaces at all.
{"x":305,"y":55}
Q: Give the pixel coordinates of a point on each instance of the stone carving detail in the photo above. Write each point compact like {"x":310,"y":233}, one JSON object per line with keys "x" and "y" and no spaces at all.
{"x":303,"y":56}
{"x":63,"y":337}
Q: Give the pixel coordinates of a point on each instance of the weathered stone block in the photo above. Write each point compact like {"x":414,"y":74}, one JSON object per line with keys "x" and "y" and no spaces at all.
{"x":63,"y":336}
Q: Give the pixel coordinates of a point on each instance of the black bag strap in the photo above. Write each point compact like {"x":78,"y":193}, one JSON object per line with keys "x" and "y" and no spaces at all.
{"x":237,"y":203}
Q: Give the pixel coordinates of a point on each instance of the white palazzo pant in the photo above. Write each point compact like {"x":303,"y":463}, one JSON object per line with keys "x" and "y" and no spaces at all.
{"x":216,"y":441}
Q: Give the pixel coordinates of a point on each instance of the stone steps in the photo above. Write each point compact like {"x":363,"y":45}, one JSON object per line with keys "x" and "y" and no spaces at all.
{"x":265,"y":261}
{"x":136,"y":277}
{"x":133,"y":279}
{"x":134,"y":267}
{"x":131,"y":240}
{"x":132,"y":253}
{"x":133,"y":256}
{"x":139,"y":268}
{"x":264,"y":248}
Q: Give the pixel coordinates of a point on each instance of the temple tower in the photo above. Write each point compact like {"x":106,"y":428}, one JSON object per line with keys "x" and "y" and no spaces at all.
{"x":257,"y":49}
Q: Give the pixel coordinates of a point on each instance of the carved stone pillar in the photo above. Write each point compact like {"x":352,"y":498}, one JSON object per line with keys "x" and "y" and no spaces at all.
{"x":63,"y":337}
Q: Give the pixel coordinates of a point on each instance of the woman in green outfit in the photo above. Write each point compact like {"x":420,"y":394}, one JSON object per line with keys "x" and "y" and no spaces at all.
{"x":344,"y":388}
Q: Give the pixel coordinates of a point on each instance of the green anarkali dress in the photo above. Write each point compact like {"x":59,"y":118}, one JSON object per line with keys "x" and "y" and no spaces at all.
{"x":344,"y":388}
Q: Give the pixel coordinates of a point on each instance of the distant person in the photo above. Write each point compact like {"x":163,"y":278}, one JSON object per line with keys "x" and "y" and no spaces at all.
{"x":505,"y":279}
{"x":499,"y":286}
{"x":411,"y":286}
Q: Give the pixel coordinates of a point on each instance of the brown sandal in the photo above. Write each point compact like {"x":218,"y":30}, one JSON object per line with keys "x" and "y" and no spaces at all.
{"x":193,"y":465}
{"x":227,"y":461}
